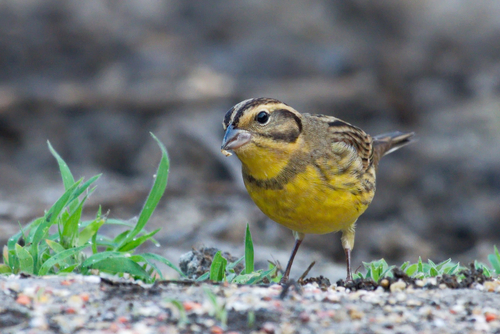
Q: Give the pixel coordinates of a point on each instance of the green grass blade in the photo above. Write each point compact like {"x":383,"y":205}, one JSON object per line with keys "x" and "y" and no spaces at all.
{"x":68,"y":269}
{"x":52,"y":214}
{"x":101,"y":256}
{"x":5,"y":269}
{"x":120,"y":237}
{"x":105,"y":241}
{"x":218,"y":267}
{"x":84,"y":187}
{"x":136,"y":242}
{"x":70,"y":227}
{"x":232,"y":265}
{"x":111,"y":221}
{"x":264,"y":274}
{"x":89,"y":231}
{"x":203,"y":277}
{"x":119,"y":265}
{"x":25,"y":260}
{"x":249,"y":252}
{"x":155,"y":194}
{"x":442,"y":265}
{"x":56,"y":247}
{"x":411,"y":269}
{"x":494,"y":260}
{"x":405,"y":265}
{"x":452,"y":270}
{"x":156,"y":257}
{"x":66,"y":174}
{"x":495,"y":263}
{"x":420,"y":266}
{"x":59,"y":258}
{"x":140,"y":258}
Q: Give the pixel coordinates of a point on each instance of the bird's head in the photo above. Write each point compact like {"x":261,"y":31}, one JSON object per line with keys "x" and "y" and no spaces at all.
{"x":260,"y":126}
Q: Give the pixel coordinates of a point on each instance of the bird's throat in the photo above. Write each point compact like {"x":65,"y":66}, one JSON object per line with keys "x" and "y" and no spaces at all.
{"x":263,"y":164}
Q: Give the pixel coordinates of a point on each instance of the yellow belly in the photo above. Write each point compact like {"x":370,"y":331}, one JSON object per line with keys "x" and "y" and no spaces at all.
{"x":308,"y":205}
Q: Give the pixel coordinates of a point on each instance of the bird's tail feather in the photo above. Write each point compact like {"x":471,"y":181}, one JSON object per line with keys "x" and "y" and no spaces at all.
{"x":389,"y":142}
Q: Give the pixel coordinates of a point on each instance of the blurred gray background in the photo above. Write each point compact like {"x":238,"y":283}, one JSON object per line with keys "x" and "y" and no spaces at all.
{"x":95,"y":77}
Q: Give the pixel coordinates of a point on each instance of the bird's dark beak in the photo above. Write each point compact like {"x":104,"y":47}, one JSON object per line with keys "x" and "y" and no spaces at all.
{"x":234,"y":139}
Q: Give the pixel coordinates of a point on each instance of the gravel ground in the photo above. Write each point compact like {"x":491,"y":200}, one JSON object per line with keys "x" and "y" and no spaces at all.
{"x":91,"y":304}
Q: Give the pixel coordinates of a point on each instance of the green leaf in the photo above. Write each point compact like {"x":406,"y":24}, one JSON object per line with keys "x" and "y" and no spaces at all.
{"x":249,"y":253}
{"x":203,"y":277}
{"x":420,"y":266}
{"x":56,"y":247}
{"x":443,"y":264}
{"x":52,"y":214}
{"x":156,"y":257}
{"x":66,"y":175}
{"x":70,"y":227}
{"x":433,"y":272}
{"x":140,"y":258}
{"x":68,"y":269}
{"x":218,"y":267}
{"x":232,"y":265}
{"x":119,"y":265}
{"x":136,"y":242}
{"x":494,"y":259}
{"x":4,"y":269}
{"x":101,"y":256}
{"x":404,"y":265}
{"x":89,"y":231}
{"x":452,"y":270}
{"x":25,"y":260}
{"x":155,"y":194}
{"x":262,"y":275}
{"x":59,"y":258}
{"x":411,"y":269}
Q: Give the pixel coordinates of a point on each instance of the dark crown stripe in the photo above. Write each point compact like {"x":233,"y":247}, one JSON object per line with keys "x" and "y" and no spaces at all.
{"x":227,"y":117}
{"x":249,"y":105}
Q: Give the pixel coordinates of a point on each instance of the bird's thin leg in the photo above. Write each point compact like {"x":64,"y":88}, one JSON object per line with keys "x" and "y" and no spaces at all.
{"x":348,"y":244}
{"x":298,"y":240}
{"x":348,"y":263}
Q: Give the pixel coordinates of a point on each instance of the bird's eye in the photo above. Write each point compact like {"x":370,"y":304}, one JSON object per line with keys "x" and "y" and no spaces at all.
{"x":262,"y":117}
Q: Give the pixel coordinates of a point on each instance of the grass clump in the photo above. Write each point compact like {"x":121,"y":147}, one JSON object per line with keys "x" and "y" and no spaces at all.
{"x":35,"y":250}
{"x":377,"y":270}
{"x":222,"y":271}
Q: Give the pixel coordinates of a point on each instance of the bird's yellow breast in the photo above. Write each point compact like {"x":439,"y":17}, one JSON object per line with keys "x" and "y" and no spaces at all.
{"x":307,"y":203}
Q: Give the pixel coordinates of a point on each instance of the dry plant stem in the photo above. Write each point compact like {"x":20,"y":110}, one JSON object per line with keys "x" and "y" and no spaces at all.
{"x":301,"y":278}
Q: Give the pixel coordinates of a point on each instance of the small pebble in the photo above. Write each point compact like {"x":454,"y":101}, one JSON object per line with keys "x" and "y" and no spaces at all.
{"x":23,"y":300}
{"x":269,"y":328}
{"x":398,"y":286}
{"x":216,"y":330}
{"x":355,"y":314}
{"x":304,"y":316}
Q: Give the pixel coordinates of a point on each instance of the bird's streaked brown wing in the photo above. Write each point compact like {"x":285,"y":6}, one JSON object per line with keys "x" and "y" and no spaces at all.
{"x":340,"y":131}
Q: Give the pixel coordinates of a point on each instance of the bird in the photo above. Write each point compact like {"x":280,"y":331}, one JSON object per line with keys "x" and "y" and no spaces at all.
{"x":313,"y":173}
